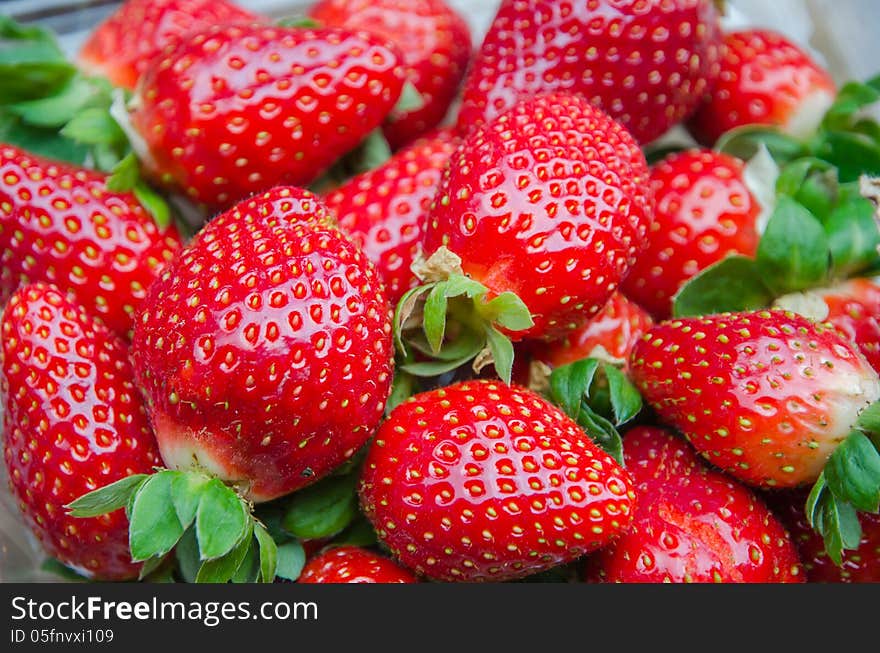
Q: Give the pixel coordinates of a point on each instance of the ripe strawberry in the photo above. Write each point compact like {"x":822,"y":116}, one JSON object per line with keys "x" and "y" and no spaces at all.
{"x":235,"y":110}
{"x":692,"y":524}
{"x":861,"y":565}
{"x":703,"y":212}
{"x":352,"y":564}
{"x":60,"y":224}
{"x":384,"y":210}
{"x":435,"y":42}
{"x":73,"y":421}
{"x":765,"y":395}
{"x":647,"y":63}
{"x":264,"y":349}
{"x":121,"y":47}
{"x":609,"y":336}
{"x":548,"y":201}
{"x":764,"y":79}
{"x":481,"y":481}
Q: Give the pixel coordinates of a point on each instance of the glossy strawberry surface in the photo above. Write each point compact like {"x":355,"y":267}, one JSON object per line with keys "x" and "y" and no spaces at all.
{"x":703,"y":213}
{"x":352,"y":564}
{"x":765,"y":79}
{"x":384,"y":210}
{"x":549,"y":201}
{"x":646,"y":62}
{"x":435,"y":42}
{"x":235,"y":110}
{"x":265,"y":349}
{"x":854,"y":308}
{"x":73,"y":422}
{"x":692,"y":524}
{"x":764,"y":395}
{"x":60,"y":224}
{"x":481,"y":481}
{"x":121,"y":47}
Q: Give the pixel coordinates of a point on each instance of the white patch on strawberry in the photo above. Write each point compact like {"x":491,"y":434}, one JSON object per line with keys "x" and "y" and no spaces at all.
{"x":119,"y":112}
{"x":808,"y":116}
{"x":809,"y":304}
{"x":760,"y":174}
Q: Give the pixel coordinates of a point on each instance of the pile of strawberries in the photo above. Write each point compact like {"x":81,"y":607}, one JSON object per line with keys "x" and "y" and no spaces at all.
{"x":344,"y":298}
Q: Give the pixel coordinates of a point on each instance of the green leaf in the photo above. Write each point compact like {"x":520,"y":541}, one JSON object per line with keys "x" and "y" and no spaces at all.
{"x":108,"y":498}
{"x":852,"y":473}
{"x":744,"y":142}
{"x":249,"y":569}
{"x":323,"y":509}
{"x":654,"y":154}
{"x":154,"y":527}
{"x":435,"y":316}
{"x":602,"y":432}
{"x":851,"y":97}
{"x":291,"y":560}
{"x":852,"y":153}
{"x":508,"y":311}
{"x":186,"y":493}
{"x":869,"y":420}
{"x":187,"y":554}
{"x":93,"y":127}
{"x":569,"y":384}
{"x":502,"y":353}
{"x":125,"y":175}
{"x":373,"y":152}
{"x":59,"y":109}
{"x":853,"y":237}
{"x":268,"y":554}
{"x":40,"y":141}
{"x":221,"y":520}
{"x":222,"y":569}
{"x":625,"y":399}
{"x":404,"y":311}
{"x":793,"y":253}
{"x":410,"y":100}
{"x":150,"y":566}
{"x":56,"y":568}
{"x":838,"y":524}
{"x":403,"y":387}
{"x":428,"y":369}
{"x":154,"y":203}
{"x":732,"y":284}
{"x":359,"y":533}
{"x":465,"y":344}
{"x":792,"y":176}
{"x":297,"y":21}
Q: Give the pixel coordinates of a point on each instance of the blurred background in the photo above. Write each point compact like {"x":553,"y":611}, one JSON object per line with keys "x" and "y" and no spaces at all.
{"x":842,"y":34}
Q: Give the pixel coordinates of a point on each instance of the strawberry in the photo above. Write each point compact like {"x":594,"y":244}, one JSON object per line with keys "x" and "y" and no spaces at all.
{"x":436,"y":45}
{"x":481,"y":481}
{"x":609,"y":336}
{"x":59,"y":223}
{"x":764,"y":79}
{"x":121,"y":46}
{"x":234,"y":110}
{"x":647,"y":63}
{"x":703,"y":213}
{"x":264,"y":349}
{"x":538,"y":217}
{"x":73,"y":420}
{"x":765,"y":395}
{"x":352,"y":564}
{"x":862,"y":565}
{"x":384,"y":210}
{"x":692,"y":524}
{"x":852,"y":306}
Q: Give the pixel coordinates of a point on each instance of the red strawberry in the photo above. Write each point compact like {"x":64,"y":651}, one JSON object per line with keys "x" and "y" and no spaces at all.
{"x":766,"y":395}
{"x":609,"y":336}
{"x":692,"y":524}
{"x":265,"y":349}
{"x":861,"y":565}
{"x":764,"y":79}
{"x":59,"y":223}
{"x":121,"y":46}
{"x":852,"y":306}
{"x":384,"y":210}
{"x":235,"y":110}
{"x":703,"y":212}
{"x":481,"y":481}
{"x":73,"y":421}
{"x":647,"y":63}
{"x":435,"y":42}
{"x":548,"y":201}
{"x":352,"y":564}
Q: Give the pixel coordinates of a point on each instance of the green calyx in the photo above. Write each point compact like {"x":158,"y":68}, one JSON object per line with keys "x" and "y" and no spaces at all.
{"x":849,"y":484}
{"x":449,"y":321}
{"x":170,"y":506}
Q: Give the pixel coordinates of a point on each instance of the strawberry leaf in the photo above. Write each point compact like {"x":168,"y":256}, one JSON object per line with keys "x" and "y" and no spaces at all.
{"x":108,"y":498}
{"x":834,"y":519}
{"x":94,"y":126}
{"x":744,"y":142}
{"x":435,"y":316}
{"x":602,"y":432}
{"x":297,"y":20}
{"x":359,"y":533}
{"x":187,"y":555}
{"x":221,"y":520}
{"x":428,"y":369}
{"x":851,"y":98}
{"x":569,"y":384}
{"x":626,"y":402}
{"x":502,"y":352}
{"x":869,"y":422}
{"x":508,"y":311}
{"x":43,"y":142}
{"x":733,"y":284}
{"x":59,"y":109}
{"x":268,"y":553}
{"x":853,"y":237}
{"x":852,"y":473}
{"x":323,"y":509}
{"x":410,"y":100}
{"x":32,"y":65}
{"x":853,"y":154}
{"x":150,"y":566}
{"x":154,"y":203}
{"x":249,"y":569}
{"x":222,"y":569}
{"x":154,"y":528}
{"x":186,"y":493}
{"x":291,"y":560}
{"x":793,"y":253}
